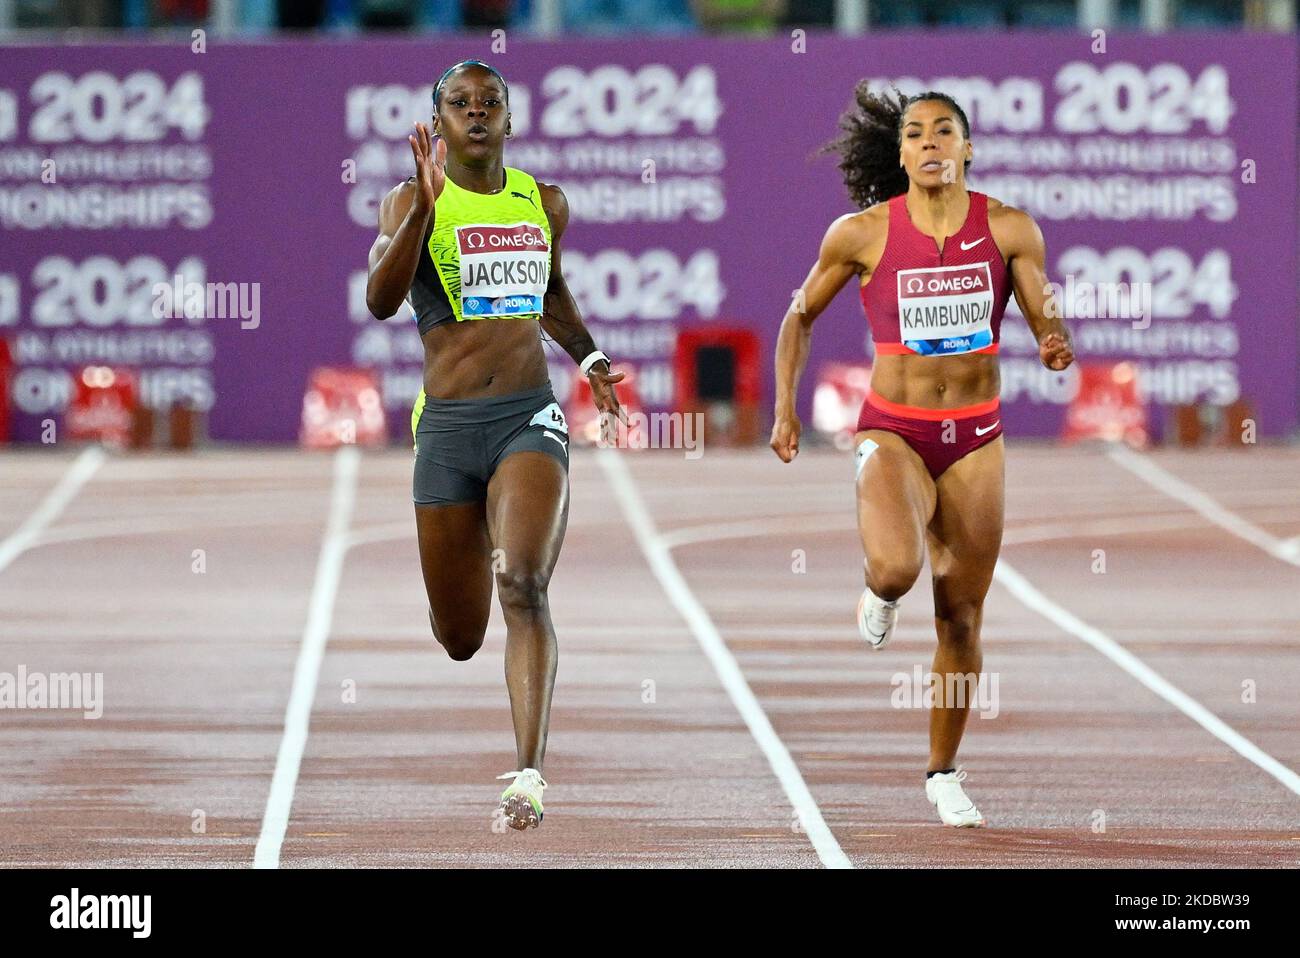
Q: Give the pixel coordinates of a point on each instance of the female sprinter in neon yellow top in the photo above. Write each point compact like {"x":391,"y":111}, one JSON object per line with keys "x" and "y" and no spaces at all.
{"x":474,"y":247}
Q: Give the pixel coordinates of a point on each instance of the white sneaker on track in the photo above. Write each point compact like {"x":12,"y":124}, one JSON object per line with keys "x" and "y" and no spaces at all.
{"x":955,"y":807}
{"x":876,"y":619}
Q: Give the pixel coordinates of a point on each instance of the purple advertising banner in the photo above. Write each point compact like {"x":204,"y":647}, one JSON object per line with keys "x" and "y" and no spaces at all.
{"x":1161,"y":167}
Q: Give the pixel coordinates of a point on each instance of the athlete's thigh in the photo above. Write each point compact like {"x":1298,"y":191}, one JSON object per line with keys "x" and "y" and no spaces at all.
{"x":965,"y":534}
{"x":896,"y":497}
{"x":455,"y":556}
{"x":527,"y":511}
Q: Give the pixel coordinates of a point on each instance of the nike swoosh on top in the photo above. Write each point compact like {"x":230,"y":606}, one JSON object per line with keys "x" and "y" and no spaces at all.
{"x":973,"y":245}
{"x":980,"y":432}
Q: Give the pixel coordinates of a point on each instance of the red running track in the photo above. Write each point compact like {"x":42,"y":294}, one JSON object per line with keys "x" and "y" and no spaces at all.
{"x":651,"y":762}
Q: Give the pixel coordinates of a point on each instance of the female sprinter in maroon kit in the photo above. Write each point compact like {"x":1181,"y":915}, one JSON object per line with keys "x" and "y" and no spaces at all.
{"x":936,"y":264}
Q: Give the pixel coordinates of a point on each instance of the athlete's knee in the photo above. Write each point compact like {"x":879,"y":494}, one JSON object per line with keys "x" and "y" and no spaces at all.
{"x":460,"y":642}
{"x":522,"y":590}
{"x":959,"y":623}
{"x":892,"y":578}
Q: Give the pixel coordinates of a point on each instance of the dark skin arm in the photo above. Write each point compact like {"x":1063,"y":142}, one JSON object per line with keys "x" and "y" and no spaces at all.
{"x":560,"y":318}
{"x":405,"y":217}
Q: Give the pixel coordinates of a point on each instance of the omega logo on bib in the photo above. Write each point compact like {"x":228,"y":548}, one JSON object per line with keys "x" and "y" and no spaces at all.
{"x":945,"y":309}
{"x":504,"y":270}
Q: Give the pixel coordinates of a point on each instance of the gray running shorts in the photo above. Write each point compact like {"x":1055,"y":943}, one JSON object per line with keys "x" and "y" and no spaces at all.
{"x":459,"y":443}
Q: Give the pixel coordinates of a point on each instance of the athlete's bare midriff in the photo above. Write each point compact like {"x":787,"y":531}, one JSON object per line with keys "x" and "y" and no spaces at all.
{"x":483,"y":357}
{"x":932,"y":382}
{"x":937,"y":382}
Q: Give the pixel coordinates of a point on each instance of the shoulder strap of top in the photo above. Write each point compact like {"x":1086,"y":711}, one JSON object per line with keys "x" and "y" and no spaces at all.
{"x":517,"y":179}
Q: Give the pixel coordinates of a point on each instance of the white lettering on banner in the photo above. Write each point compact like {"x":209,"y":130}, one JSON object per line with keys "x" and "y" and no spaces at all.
{"x":97,"y":107}
{"x":1014,"y":104}
{"x":101,"y":206}
{"x":125,"y":163}
{"x":1178,"y":284}
{"x":1168,"y":382}
{"x":1165,"y":338}
{"x":614,"y":285}
{"x":100,"y":291}
{"x":1061,"y":196}
{"x":610,"y":200}
{"x":644,"y":341}
{"x":1104,"y":152}
{"x":8,"y":115}
{"x":38,"y":390}
{"x":611,"y":100}
{"x":112,"y":347}
{"x":1118,"y":97}
{"x":945,"y":309}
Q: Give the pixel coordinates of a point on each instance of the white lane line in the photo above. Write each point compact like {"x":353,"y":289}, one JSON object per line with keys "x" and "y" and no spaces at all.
{"x":26,"y":535}
{"x":1163,"y":480}
{"x":724,"y":663}
{"x":297,"y":715}
{"x":1021,"y":588}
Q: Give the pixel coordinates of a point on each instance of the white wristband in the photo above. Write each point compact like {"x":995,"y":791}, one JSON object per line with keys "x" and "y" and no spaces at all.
{"x":595,"y":357}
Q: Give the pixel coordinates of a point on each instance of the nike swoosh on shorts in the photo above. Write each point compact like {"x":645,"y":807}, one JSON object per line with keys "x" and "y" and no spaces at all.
{"x":980,"y":432}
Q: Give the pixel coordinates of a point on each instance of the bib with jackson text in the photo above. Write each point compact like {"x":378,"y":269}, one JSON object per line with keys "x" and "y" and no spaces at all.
{"x":503,"y":269}
{"x":492,"y":251}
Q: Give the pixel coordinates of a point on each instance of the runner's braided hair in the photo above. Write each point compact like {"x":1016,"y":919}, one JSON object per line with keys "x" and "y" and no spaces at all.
{"x":871,"y":134}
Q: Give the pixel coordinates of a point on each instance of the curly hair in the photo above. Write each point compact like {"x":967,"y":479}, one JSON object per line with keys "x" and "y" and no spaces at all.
{"x":869,"y":140}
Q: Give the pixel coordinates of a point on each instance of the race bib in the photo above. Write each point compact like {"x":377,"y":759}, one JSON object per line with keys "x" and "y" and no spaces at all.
{"x":552,"y":418}
{"x":503,"y":269}
{"x":945,"y":309}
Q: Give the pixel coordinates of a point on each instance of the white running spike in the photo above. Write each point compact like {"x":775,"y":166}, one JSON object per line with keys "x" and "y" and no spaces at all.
{"x":876,"y":619}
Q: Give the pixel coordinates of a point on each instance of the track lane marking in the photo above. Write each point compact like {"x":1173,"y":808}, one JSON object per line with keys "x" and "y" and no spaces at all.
{"x":1031,"y":597}
{"x":659,"y":557}
{"x":52,"y":506}
{"x":1023,"y":590}
{"x":1166,"y":482}
{"x":306,"y":673}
